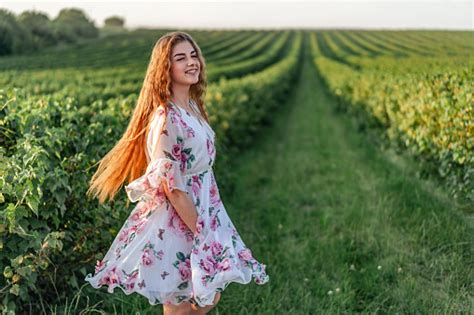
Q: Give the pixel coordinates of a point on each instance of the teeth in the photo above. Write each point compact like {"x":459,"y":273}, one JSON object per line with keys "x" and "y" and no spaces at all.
{"x":191,"y":71}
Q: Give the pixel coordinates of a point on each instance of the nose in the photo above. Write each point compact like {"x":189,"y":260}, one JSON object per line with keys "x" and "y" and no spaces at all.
{"x":192,"y":62}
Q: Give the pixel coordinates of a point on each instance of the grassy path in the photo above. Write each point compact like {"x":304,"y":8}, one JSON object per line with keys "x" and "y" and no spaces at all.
{"x":342,"y":226}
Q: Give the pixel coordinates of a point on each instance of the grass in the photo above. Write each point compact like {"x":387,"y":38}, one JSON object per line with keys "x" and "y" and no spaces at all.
{"x":342,"y":226}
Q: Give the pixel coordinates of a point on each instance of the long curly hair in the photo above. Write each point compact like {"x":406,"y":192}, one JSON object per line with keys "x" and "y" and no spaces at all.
{"x":127,"y":160}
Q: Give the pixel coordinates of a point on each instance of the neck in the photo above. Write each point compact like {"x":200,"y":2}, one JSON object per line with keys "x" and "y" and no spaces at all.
{"x":180,"y":95}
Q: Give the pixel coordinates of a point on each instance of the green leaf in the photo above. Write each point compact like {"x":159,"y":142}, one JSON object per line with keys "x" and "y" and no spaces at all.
{"x":183,"y":285}
{"x":180,"y":256}
{"x":32,"y":202}
{"x":15,"y":289}
{"x":8,"y":272}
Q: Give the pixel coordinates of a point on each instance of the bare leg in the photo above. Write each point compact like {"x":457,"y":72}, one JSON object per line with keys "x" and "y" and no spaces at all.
{"x":204,"y":310}
{"x":186,"y":308}
{"x":182,"y":309}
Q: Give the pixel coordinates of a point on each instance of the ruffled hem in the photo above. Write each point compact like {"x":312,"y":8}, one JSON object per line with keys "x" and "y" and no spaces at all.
{"x":152,"y":299}
{"x":176,"y":298}
{"x":259,"y":277}
{"x":161,"y":169}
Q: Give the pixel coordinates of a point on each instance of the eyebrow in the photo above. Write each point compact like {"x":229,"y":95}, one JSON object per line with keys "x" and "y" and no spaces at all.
{"x":183,"y":53}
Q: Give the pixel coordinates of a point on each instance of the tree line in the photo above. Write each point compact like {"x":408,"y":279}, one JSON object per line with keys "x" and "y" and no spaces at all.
{"x":33,"y":30}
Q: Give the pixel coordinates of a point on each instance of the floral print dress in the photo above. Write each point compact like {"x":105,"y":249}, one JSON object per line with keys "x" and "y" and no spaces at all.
{"x":155,"y":254}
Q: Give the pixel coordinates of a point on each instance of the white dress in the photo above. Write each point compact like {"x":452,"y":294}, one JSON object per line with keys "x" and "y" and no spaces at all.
{"x":154,"y":253}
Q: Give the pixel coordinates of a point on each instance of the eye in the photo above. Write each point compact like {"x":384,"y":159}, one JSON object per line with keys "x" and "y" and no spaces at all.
{"x":195,"y":56}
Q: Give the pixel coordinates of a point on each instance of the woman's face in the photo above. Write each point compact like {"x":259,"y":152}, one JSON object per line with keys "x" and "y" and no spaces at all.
{"x":184,"y":58}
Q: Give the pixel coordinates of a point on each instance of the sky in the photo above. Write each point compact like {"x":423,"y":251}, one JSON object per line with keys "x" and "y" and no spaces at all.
{"x":266,"y":14}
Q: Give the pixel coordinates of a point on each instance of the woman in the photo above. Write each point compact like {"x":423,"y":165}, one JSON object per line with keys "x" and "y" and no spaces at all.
{"x":178,"y":247}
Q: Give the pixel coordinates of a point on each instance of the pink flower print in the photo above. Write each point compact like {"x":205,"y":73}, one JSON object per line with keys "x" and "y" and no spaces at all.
{"x":123,"y":235}
{"x":255,"y":265}
{"x":171,"y":180}
{"x":110,"y":278}
{"x":139,"y":226}
{"x":245,"y":254}
{"x":215,"y":200}
{"x":190,"y":132}
{"x":183,"y":159}
{"x":208,"y":265}
{"x":129,"y":286}
{"x":259,"y":270}
{"x":173,"y":216}
{"x":176,"y":151}
{"x":189,"y":235}
{"x":159,"y":197}
{"x":104,"y":280}
{"x":147,"y":257}
{"x":99,"y":265}
{"x":114,"y":277}
{"x":210,"y":147}
{"x":185,"y":270}
{"x":214,"y":223}
{"x":199,"y":224}
{"x":135,"y":216}
{"x":204,"y":281}
{"x":181,"y":121}
{"x":182,"y":226}
{"x":143,"y":210}
{"x":224,"y":265}
{"x":216,"y":248}
{"x":146,"y":184}
{"x":138,"y":212}
{"x":197,"y":184}
{"x":179,"y":225}
{"x":131,"y":279}
{"x":132,"y":229}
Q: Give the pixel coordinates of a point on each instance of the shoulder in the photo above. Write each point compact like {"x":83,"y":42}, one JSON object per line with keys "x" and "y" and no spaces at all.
{"x":169,"y":117}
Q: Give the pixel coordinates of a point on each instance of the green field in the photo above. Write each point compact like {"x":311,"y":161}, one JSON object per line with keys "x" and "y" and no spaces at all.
{"x":344,"y":158}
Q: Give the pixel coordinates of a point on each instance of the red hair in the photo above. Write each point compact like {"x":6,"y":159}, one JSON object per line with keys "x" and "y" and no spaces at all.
{"x":127,"y":159}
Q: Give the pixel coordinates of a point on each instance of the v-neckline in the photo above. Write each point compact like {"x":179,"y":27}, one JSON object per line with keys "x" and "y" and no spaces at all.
{"x":203,"y":124}
{"x":186,"y":112}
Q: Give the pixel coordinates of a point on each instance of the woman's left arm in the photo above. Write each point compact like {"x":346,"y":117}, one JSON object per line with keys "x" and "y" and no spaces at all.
{"x":184,"y":206}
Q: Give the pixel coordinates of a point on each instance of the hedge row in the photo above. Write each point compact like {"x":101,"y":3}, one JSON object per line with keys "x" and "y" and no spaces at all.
{"x":426,"y":110}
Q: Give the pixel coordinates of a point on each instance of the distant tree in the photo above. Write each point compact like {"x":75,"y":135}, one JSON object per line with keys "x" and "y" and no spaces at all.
{"x":40,"y":27}
{"x":114,"y":21}
{"x":14,"y":37}
{"x":72,"y":23}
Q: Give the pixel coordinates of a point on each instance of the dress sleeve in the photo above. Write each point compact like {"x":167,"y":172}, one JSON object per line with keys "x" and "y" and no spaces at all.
{"x":166,"y":163}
